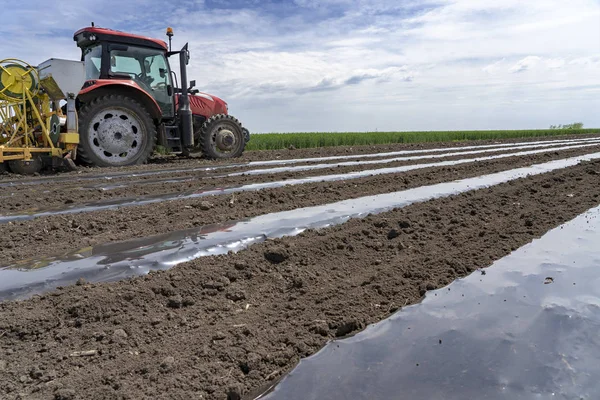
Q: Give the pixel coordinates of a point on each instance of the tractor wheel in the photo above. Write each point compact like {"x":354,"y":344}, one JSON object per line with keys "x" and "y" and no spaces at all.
{"x":115,"y":131}
{"x":221,"y":136}
{"x":28,"y":167}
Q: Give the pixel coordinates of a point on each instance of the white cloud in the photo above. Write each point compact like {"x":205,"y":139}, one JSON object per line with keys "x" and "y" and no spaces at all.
{"x":525,"y":64}
{"x":360,"y":65}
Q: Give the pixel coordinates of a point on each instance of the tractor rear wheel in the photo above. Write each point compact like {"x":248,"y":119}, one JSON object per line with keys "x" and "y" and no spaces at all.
{"x":221,"y":136}
{"x":115,"y":131}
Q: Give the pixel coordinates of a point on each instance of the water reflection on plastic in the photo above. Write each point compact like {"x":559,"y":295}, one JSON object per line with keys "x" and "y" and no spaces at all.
{"x":527,"y":329}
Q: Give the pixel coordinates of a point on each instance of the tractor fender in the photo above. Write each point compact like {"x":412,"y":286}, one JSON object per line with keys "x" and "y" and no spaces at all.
{"x":122,"y":87}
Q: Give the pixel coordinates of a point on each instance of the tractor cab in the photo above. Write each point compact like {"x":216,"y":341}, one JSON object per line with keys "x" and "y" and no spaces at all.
{"x":133,"y":60}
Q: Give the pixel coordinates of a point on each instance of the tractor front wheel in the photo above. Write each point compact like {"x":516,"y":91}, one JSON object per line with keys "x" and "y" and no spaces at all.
{"x":221,"y":136}
{"x":115,"y":131}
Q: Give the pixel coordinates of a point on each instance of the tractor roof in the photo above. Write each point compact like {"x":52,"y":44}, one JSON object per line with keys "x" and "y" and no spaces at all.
{"x":86,"y":36}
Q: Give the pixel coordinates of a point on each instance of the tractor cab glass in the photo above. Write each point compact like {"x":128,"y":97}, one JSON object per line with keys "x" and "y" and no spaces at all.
{"x":148,"y":68}
{"x":92,"y":57}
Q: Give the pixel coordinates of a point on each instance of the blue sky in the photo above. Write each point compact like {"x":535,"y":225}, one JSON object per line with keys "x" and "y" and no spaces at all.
{"x":341,"y":65}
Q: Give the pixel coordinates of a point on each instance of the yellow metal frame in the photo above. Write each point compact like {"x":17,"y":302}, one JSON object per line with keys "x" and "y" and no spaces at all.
{"x":18,"y":134}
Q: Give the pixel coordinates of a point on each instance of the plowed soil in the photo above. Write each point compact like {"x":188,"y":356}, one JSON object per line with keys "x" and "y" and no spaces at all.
{"x":224,"y":327}
{"x":57,"y":234}
{"x":174,"y":162}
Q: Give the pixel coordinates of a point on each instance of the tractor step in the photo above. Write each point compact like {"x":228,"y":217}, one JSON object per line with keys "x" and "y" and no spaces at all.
{"x":172,"y":138}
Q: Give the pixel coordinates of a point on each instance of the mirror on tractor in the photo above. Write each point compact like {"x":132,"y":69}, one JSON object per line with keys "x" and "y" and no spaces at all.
{"x":192,"y":83}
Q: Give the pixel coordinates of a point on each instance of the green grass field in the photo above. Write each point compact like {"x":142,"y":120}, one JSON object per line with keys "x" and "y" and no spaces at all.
{"x":274,"y":141}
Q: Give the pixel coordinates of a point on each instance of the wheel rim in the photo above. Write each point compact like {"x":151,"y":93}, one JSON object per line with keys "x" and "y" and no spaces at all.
{"x":224,"y":139}
{"x":116,"y":135}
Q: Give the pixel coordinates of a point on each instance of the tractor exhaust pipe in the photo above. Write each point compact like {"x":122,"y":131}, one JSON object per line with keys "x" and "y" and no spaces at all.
{"x":184,"y":111}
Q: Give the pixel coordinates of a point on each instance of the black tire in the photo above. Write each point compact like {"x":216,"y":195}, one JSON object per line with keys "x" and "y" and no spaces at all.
{"x":29,"y":167}
{"x":92,"y":151}
{"x":210,"y":135}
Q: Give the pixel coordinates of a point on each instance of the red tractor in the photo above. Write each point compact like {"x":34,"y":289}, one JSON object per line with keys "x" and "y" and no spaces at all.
{"x":131,"y":101}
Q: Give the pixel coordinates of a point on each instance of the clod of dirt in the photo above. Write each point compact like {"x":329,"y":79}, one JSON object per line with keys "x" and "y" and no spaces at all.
{"x":220,"y":284}
{"x":35,"y":373}
{"x":393,"y":234}
{"x":425,"y":286}
{"x":218,"y":335}
{"x":548,"y":280}
{"x":234,"y":393}
{"x":277,"y":255}
{"x":205,"y":205}
{"x":164,"y":290}
{"x":64,"y":394}
{"x":380,"y":224}
{"x":120,"y":333}
{"x":235,"y":294}
{"x":80,"y":282}
{"x":188,"y":301}
{"x":348,"y":327}
{"x":167,"y":364}
{"x":320,"y":328}
{"x":401,"y":246}
{"x":241,"y":265}
{"x":404,"y":224}
{"x":528,"y":223}
{"x":175,"y":302}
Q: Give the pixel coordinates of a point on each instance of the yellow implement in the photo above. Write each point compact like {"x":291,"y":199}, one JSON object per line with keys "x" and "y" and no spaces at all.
{"x":29,"y":126}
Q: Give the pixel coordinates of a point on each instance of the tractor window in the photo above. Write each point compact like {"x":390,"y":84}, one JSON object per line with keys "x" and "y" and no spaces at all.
{"x":156,"y":68}
{"x":92,"y":58}
{"x":149,"y":69}
{"x":124,"y":63}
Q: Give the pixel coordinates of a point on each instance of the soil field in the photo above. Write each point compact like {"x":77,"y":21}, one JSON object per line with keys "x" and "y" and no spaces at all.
{"x":158,"y":163}
{"x":223,"y":327}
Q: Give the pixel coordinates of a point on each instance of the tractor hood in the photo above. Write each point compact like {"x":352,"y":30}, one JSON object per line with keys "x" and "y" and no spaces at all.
{"x":207,"y":105}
